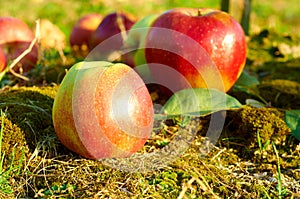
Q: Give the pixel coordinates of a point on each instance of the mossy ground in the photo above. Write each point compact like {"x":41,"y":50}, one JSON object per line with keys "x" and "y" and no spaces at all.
{"x":236,"y":167}
{"x":242,"y":164}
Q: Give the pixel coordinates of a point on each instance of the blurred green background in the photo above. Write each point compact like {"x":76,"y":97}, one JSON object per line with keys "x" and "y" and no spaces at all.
{"x":281,"y":15}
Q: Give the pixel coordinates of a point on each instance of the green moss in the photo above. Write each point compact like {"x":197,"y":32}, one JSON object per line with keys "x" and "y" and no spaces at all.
{"x":245,"y":124}
{"x":56,"y":172}
{"x":288,"y":70}
{"x":28,"y":120}
{"x":281,"y":93}
{"x":13,"y":142}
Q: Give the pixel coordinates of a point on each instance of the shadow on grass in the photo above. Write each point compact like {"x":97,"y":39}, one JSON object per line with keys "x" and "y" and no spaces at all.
{"x":28,"y":122}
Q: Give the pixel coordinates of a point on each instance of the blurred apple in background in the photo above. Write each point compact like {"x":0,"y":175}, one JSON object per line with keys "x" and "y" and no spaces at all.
{"x":15,"y":38}
{"x":207,"y":47}
{"x":82,"y":31}
{"x":111,"y":33}
{"x":2,"y":61}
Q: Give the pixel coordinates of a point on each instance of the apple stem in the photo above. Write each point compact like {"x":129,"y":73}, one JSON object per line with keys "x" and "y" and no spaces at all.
{"x":199,"y":12}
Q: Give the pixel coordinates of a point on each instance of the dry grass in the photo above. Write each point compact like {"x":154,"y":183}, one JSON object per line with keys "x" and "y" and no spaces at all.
{"x":235,"y":169}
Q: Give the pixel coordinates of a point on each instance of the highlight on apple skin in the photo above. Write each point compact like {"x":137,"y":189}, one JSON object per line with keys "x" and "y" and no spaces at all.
{"x":103,"y":110}
{"x":15,"y":38}
{"x":219,"y":60}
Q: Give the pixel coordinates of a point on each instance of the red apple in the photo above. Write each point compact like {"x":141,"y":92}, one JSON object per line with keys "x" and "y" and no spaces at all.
{"x":113,"y":29}
{"x":206,"y":46}
{"x":15,"y":38}
{"x":102,"y":110}
{"x":2,"y":61}
{"x":82,"y":31}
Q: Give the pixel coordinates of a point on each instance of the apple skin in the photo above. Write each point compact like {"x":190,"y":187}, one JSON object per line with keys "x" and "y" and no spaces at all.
{"x":112,"y":25}
{"x":102,"y":110}
{"x":2,"y":61}
{"x":15,"y":38}
{"x":222,"y":44}
{"x":136,"y":41}
{"x":82,"y":32}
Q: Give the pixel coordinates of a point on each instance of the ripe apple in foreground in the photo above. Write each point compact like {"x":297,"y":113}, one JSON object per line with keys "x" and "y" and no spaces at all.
{"x":82,"y":31}
{"x":2,"y":61}
{"x":206,"y":46}
{"x":15,"y":38}
{"x":111,"y":32}
{"x":103,"y":110}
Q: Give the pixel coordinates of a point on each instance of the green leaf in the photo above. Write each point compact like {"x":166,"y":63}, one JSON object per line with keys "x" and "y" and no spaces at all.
{"x":246,"y":83}
{"x":255,"y":103}
{"x":199,"y":102}
{"x":292,"y":119}
{"x":2,"y":74}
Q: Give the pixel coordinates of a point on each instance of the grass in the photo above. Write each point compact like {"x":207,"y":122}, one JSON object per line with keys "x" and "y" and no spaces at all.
{"x":226,"y":171}
{"x":4,"y":184}
{"x":263,"y":149}
{"x":6,"y":174}
{"x":279,"y":186}
{"x":276,"y":14}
